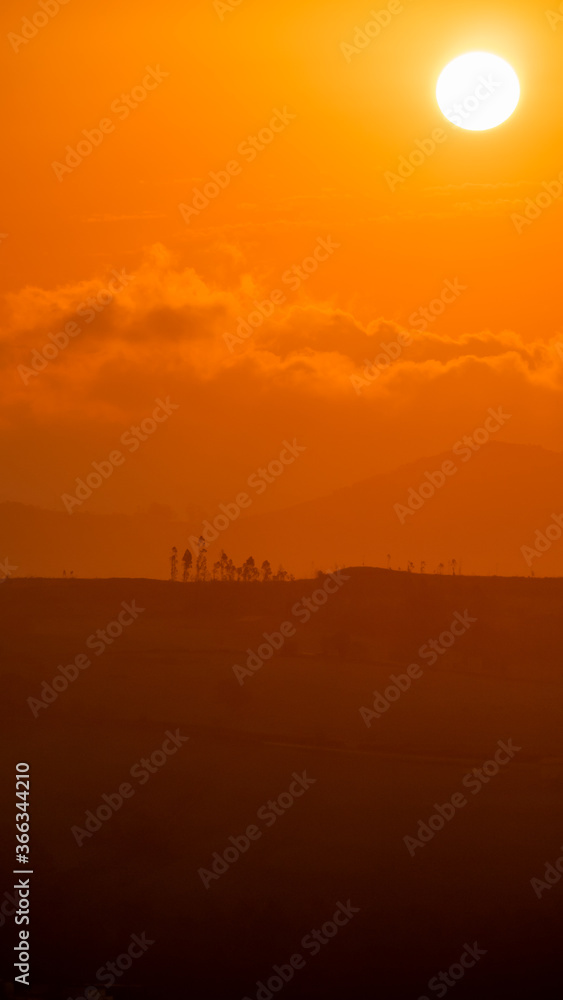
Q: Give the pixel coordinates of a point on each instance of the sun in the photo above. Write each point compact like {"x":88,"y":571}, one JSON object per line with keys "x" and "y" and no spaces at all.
{"x":478,"y":91}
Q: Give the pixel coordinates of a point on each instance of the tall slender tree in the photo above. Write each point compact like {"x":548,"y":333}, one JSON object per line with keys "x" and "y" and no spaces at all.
{"x":187,"y":560}
{"x":250,"y":571}
{"x":266,"y":571}
{"x":224,"y":565}
{"x":201,"y":564}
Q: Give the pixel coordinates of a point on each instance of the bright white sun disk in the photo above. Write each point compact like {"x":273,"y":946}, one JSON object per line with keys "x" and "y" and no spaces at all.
{"x":478,"y":91}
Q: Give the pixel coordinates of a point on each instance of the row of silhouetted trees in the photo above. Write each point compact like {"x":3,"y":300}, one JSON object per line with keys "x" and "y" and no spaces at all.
{"x":411,"y":568}
{"x":224,"y":569}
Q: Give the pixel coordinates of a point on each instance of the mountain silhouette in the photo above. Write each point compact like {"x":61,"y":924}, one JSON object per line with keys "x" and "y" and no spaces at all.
{"x":481,"y":516}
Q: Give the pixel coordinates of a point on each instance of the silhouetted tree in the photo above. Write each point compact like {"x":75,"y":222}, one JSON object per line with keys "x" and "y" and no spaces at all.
{"x":224,"y":569}
{"x":187,"y":561}
{"x":266,"y":571}
{"x":174,"y":564}
{"x":224,"y":565}
{"x":250,"y":570}
{"x":201,"y":564}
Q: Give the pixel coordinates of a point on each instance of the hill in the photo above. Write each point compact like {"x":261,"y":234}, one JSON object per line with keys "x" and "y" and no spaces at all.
{"x":167,"y":672}
{"x":472,"y":517}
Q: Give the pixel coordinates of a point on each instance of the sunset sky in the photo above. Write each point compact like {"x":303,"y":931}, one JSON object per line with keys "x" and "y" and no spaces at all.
{"x":341,"y":121}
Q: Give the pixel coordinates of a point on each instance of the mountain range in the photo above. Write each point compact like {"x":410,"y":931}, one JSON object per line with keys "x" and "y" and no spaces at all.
{"x":496,"y":503}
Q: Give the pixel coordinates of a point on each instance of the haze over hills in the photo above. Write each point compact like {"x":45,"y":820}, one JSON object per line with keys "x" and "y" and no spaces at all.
{"x":481,"y":515}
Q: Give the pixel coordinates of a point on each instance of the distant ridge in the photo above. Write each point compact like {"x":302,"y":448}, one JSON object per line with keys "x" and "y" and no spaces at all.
{"x":481,"y":516}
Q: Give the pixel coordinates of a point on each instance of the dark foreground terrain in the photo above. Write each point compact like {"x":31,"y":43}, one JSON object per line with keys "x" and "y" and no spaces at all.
{"x":145,"y":867}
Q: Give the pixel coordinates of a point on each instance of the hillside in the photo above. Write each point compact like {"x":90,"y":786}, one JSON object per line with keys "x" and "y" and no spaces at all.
{"x":240,"y":745}
{"x":472,"y":518}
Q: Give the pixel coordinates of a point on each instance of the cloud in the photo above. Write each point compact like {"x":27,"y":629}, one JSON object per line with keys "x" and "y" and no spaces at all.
{"x":168,"y":319}
{"x":164,"y":335}
{"x":137,"y":217}
{"x":444,"y":189}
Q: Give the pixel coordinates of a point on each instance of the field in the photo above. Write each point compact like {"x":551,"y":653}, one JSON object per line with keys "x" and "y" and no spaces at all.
{"x":342,"y":840}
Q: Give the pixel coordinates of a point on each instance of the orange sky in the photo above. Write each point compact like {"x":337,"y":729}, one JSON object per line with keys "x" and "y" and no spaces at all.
{"x":321,"y":177}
